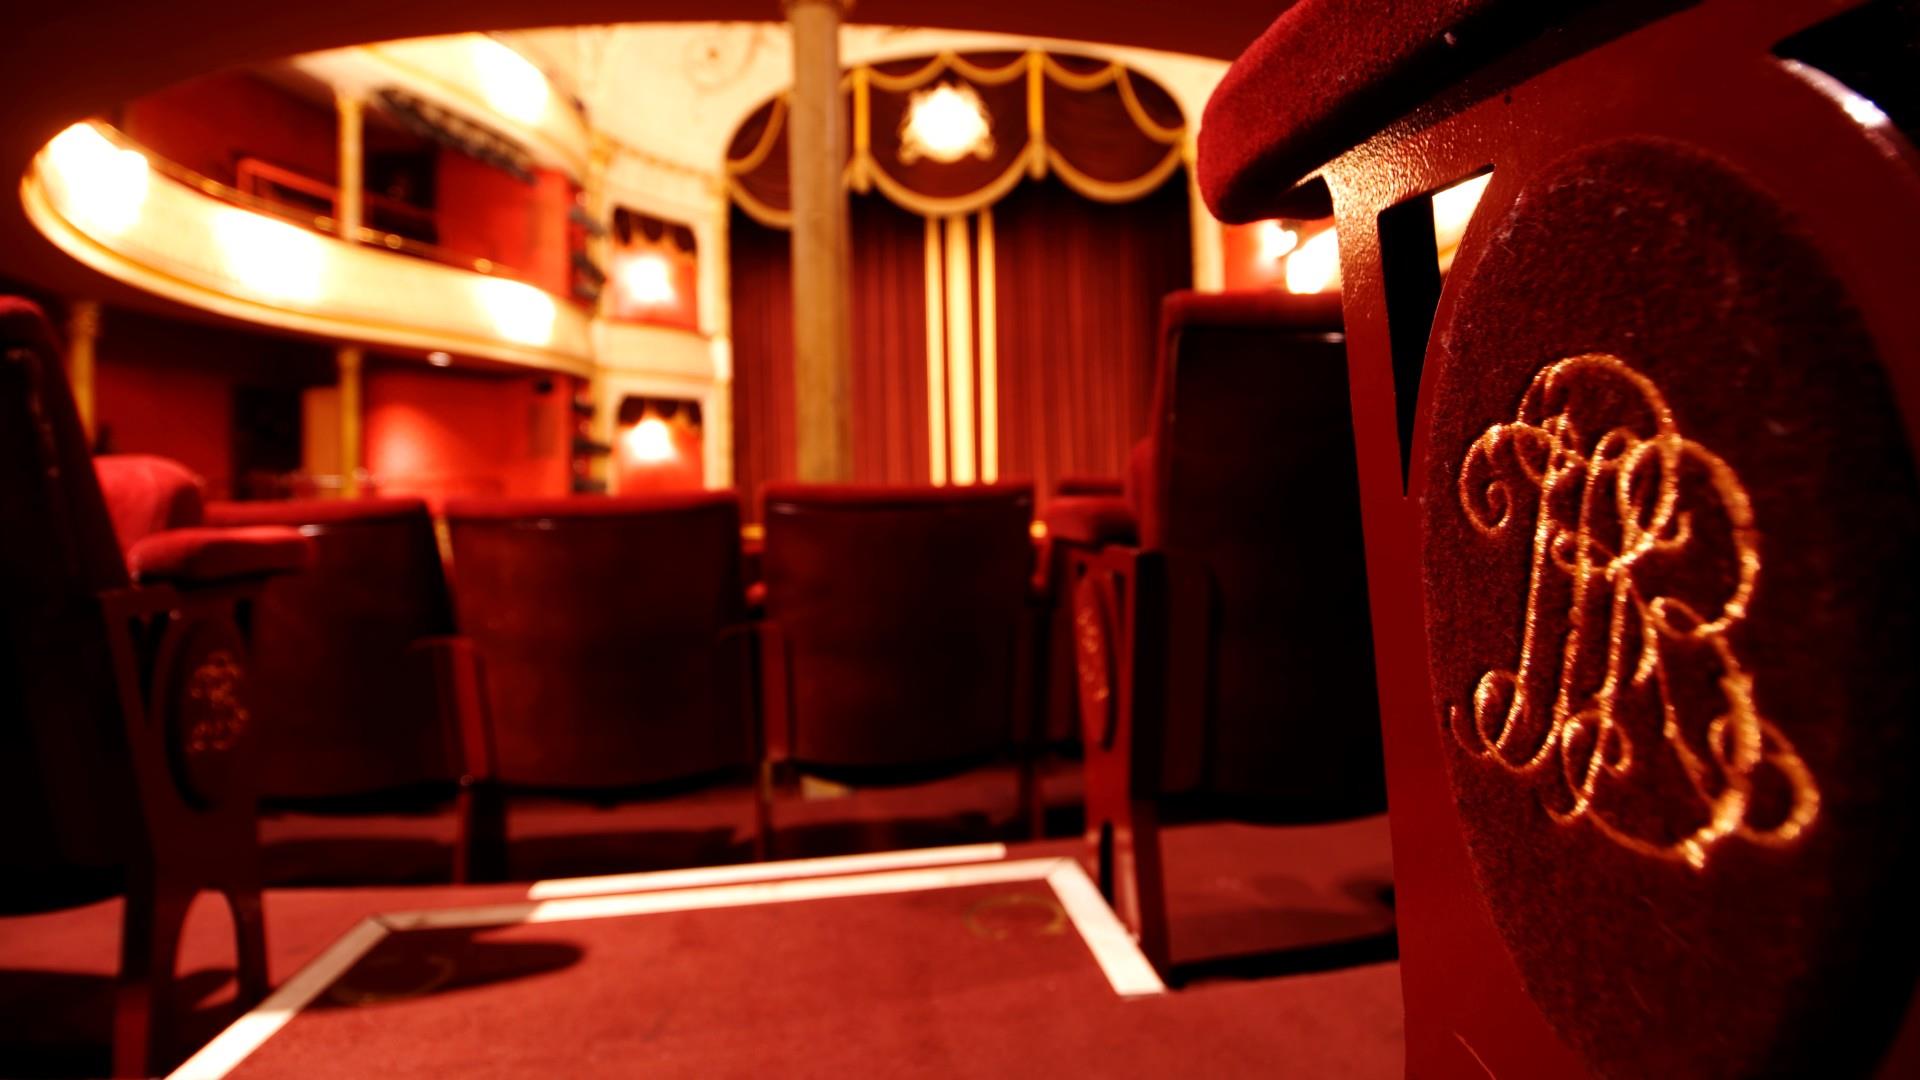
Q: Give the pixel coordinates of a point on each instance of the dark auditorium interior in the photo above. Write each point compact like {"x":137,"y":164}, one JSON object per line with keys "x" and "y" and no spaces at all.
{"x":960,"y":538}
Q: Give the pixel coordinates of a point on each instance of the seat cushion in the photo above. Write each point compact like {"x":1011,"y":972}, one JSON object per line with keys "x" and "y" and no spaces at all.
{"x":204,"y":556}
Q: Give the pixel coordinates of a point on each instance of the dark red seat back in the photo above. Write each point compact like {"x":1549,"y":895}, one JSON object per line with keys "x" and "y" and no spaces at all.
{"x":65,"y":783}
{"x":1249,"y":491}
{"x":900,"y":611}
{"x":1642,"y":511}
{"x":334,"y":653}
{"x":609,"y":635}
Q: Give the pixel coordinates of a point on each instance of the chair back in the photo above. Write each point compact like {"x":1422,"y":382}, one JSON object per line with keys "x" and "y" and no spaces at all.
{"x":610,"y":637}
{"x":334,"y":651}
{"x":64,"y":776}
{"x":900,"y":613}
{"x":1248,"y":490}
{"x":1641,"y":512}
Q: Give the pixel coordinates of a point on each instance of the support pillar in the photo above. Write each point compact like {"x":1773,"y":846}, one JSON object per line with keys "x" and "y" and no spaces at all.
{"x":350,"y":359}
{"x":822,"y":246}
{"x":83,"y":331}
{"x":348,"y":208}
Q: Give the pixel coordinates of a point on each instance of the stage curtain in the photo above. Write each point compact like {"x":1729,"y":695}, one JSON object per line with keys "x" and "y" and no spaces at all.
{"x":889,"y":391}
{"x":1078,"y":286}
{"x":763,"y":419}
{"x":1108,"y":132}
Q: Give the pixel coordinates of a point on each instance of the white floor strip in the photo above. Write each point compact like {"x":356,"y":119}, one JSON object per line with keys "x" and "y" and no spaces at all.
{"x":722,"y":896}
{"x":244,"y":1036}
{"x":1118,"y":954}
{"x":1113,"y":948}
{"x":770,"y":871}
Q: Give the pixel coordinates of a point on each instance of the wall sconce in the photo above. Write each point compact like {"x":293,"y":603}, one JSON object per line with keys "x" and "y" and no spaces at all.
{"x":650,"y":442}
{"x":647,"y":281}
{"x":1276,"y":240}
{"x":1315,"y":265}
{"x":945,"y":123}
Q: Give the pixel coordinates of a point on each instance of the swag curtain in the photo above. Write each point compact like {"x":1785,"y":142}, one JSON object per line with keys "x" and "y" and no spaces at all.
{"x":1078,"y":286}
{"x":889,"y":391}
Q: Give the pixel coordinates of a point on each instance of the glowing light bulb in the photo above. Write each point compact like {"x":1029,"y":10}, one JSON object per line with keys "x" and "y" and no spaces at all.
{"x":278,"y":260}
{"x":105,"y":184}
{"x":1276,"y":240}
{"x":440,"y":359}
{"x":1315,"y":265}
{"x":519,"y":312}
{"x":647,"y":280}
{"x":650,"y":442}
{"x":945,"y":124}
{"x":510,"y":82}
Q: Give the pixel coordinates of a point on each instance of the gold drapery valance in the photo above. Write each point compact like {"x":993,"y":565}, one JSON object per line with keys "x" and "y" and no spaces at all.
{"x":1108,"y":132}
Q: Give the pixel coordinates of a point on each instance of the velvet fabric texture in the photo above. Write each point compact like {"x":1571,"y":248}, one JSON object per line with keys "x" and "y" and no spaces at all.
{"x":147,"y":494}
{"x":889,"y":349}
{"x":1670,"y":525}
{"x":1078,"y":286}
{"x":335,"y":651}
{"x":609,"y":636}
{"x":1253,"y":501}
{"x":900,"y":613}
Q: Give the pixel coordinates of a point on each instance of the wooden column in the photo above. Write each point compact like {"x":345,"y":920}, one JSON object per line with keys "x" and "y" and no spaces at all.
{"x":347,"y":220}
{"x":822,"y":246}
{"x":83,"y":330}
{"x":347,"y":211}
{"x":350,"y":359}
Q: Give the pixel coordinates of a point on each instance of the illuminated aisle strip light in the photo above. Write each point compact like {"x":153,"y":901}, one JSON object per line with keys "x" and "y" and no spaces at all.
{"x":1120,"y":959}
{"x":769,"y":871}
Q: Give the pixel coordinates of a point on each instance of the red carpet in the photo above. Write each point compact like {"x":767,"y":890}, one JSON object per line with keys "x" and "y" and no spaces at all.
{"x":980,"y":981}
{"x":882,"y":984}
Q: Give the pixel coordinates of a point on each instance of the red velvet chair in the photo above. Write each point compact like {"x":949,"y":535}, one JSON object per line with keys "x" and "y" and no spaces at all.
{"x":1641,"y":512}
{"x":124,"y":707}
{"x":349,"y":655}
{"x":612,"y":647}
{"x":898,"y":633}
{"x":1225,"y":662}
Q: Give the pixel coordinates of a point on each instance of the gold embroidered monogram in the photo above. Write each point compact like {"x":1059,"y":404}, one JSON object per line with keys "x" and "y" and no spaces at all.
{"x":1629,"y":698}
{"x":222,"y":718}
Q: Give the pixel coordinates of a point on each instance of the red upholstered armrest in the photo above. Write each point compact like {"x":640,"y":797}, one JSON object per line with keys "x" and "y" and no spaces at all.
{"x":1092,"y":520}
{"x":207,"y":556}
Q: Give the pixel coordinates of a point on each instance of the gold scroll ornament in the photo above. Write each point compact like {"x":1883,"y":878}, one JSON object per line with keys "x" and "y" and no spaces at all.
{"x":1600,"y":646}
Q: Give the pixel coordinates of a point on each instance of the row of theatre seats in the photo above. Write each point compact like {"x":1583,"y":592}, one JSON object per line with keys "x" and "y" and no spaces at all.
{"x":333,"y":651}
{"x":1633,"y":481}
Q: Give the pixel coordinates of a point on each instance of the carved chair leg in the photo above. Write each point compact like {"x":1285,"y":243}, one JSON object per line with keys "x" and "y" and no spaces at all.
{"x":481,"y":850}
{"x":763,"y":812}
{"x":250,"y":943}
{"x":149,"y":946}
{"x":1139,"y":882}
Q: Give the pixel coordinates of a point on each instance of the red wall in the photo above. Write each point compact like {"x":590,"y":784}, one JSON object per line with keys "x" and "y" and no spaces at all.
{"x":487,"y":214}
{"x":165,"y":386}
{"x":442,"y":434}
{"x":208,"y":124}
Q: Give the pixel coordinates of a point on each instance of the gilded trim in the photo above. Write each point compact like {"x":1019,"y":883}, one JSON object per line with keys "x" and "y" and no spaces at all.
{"x":936,"y":359}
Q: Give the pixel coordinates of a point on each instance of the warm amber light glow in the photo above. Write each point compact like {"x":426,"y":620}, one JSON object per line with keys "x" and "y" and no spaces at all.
{"x":1315,"y":265}
{"x":510,"y":82}
{"x":1276,"y":240}
{"x":945,"y":123}
{"x":650,"y":442}
{"x":646,"y":280}
{"x":520,"y":312}
{"x":270,"y":257}
{"x":105,"y":184}
{"x":1453,"y":208}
